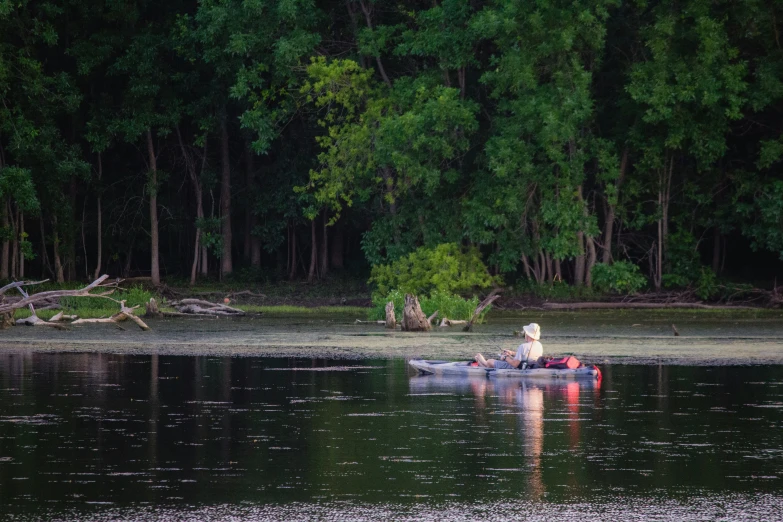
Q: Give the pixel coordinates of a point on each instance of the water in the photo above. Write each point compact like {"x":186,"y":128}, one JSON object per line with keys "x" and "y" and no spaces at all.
{"x":129,"y":437}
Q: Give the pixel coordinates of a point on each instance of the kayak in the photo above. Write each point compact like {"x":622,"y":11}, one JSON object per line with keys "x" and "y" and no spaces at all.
{"x":466,"y":369}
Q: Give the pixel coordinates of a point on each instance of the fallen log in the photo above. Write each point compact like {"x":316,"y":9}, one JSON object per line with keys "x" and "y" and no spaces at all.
{"x":201,"y":307}
{"x":627,"y":305}
{"x":451,"y":322}
{"x":432,"y":317}
{"x":480,"y":308}
{"x":34,"y":299}
{"x":124,"y":314}
{"x":413,"y":319}
{"x":62,"y":317}
{"x":34,"y":320}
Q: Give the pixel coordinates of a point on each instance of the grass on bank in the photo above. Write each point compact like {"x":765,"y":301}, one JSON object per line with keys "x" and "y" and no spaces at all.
{"x":289,"y":310}
{"x":89,"y":307}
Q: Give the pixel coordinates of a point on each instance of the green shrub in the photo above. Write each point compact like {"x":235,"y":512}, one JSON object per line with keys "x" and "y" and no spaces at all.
{"x":707,"y":284}
{"x":133,"y":296}
{"x":447,"y":305}
{"x":622,"y":277}
{"x":444,"y":269}
{"x":556,"y":291}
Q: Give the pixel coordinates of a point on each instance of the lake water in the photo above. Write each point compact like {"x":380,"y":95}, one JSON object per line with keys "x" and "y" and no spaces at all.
{"x":147,"y":437}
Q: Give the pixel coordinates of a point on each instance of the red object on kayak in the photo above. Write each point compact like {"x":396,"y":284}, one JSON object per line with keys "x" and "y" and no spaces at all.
{"x":566,"y":363}
{"x":474,"y":364}
{"x":600,"y":375}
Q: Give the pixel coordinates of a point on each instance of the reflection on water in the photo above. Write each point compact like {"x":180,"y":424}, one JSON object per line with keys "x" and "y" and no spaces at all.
{"x":157,"y":437}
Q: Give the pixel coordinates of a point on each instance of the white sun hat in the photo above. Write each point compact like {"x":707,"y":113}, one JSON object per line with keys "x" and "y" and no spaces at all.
{"x":533,"y":331}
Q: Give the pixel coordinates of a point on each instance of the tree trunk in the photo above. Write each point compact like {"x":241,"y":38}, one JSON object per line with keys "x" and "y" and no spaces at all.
{"x":337,"y":247}
{"x":97,"y":272}
{"x":84,"y":240}
{"x":155,"y":259}
{"x":14,"y":241}
{"x":391,"y":321}
{"x":21,"y":250}
{"x":610,"y":215}
{"x":246,"y":246}
{"x":716,"y":239}
{"x":354,"y":25}
{"x":255,"y":241}
{"x":325,"y":249}
{"x":667,"y":189}
{"x":579,"y":262}
{"x":58,"y":266}
{"x":44,"y":256}
{"x":71,"y":237}
{"x":526,"y":265}
{"x":6,"y":243}
{"x":591,"y":258}
{"x":413,"y":319}
{"x":198,"y":196}
{"x":659,"y":250}
{"x":128,"y":261}
{"x":367,"y":16}
{"x":549,"y":269}
{"x":226,"y":264}
{"x":292,"y":272}
{"x":313,"y":253}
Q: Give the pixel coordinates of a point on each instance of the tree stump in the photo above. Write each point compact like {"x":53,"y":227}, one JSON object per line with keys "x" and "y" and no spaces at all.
{"x":391,"y":321}
{"x":152,"y":308}
{"x":6,"y":320}
{"x":413,"y":319}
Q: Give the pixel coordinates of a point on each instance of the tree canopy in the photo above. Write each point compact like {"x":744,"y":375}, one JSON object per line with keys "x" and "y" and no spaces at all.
{"x":291,"y":138}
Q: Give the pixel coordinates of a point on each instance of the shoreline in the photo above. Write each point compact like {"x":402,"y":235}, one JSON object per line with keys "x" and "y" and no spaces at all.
{"x":598,"y":338}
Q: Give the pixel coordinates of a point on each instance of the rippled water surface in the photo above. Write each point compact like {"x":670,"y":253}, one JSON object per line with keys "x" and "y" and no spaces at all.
{"x":124,"y":437}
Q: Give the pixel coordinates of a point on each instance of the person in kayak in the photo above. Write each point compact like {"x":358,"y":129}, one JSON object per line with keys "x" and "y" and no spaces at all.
{"x":527,"y":352}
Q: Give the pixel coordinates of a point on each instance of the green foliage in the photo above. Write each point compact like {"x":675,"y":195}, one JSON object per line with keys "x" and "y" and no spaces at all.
{"x":760,"y":203}
{"x":446,"y":304}
{"x":445,"y":269}
{"x":707,"y":284}
{"x":516,"y":127}
{"x":621,"y":277}
{"x":134,"y":296}
{"x":210,"y":235}
{"x":683,"y":263}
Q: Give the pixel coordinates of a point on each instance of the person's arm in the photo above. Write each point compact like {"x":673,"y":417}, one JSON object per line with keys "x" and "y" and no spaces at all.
{"x":513,"y":362}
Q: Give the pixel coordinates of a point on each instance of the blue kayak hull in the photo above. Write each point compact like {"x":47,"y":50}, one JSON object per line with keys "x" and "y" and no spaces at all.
{"x":464,"y":368}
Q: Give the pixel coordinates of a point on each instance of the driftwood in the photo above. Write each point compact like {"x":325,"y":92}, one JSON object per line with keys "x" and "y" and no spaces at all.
{"x":380,"y":321}
{"x":432,"y":317}
{"x":451,"y":322}
{"x":34,"y":320}
{"x":35,"y":299}
{"x":201,"y":307}
{"x":7,"y":307}
{"x":674,"y":329}
{"x":631,"y":305}
{"x":480,"y":308}
{"x":62,"y":317}
{"x":124,"y":314}
{"x":413,"y":319}
{"x":391,"y":321}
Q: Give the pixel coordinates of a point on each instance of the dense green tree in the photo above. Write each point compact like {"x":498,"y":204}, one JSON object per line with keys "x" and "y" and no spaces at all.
{"x":276,"y":136}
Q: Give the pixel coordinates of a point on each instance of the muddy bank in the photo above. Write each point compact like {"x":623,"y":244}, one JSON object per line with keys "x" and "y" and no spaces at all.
{"x":606,"y":337}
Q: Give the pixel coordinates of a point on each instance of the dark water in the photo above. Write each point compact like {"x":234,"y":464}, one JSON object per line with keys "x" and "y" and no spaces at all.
{"x":110,"y":437}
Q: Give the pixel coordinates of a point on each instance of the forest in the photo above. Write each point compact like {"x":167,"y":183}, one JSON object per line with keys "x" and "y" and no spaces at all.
{"x":293,"y":139}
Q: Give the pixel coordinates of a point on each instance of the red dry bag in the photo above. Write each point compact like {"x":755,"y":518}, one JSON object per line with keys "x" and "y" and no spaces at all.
{"x":565,"y":363}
